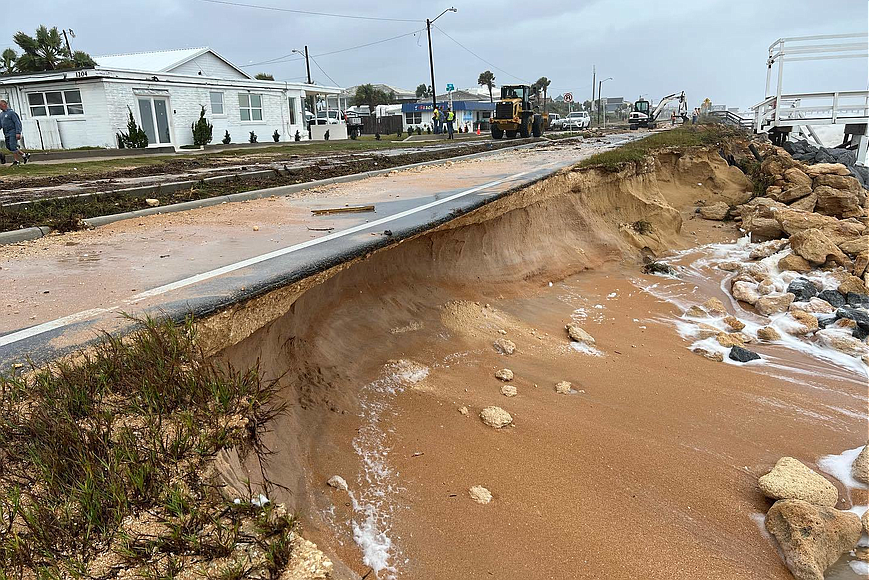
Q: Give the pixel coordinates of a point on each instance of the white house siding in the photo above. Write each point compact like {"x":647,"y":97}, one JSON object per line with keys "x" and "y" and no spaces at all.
{"x":90,"y":129}
{"x":186,"y":101}
{"x":210,"y":66}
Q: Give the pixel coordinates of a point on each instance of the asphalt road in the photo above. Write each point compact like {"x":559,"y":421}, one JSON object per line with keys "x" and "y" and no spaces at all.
{"x":60,"y":290}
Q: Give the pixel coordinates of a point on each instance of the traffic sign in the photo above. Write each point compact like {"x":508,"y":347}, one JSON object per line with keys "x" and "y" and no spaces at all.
{"x":569,"y":98}
{"x":450,"y":88}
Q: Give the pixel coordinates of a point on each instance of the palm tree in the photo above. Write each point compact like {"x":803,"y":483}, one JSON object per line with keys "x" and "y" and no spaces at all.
{"x":264,"y":77}
{"x":541,"y":84}
{"x":369,"y":95}
{"x":7,"y":66}
{"x":47,"y":52}
{"x":486,"y":79}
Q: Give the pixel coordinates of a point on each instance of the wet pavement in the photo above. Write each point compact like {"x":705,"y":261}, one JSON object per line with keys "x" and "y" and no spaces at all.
{"x":59,"y":290}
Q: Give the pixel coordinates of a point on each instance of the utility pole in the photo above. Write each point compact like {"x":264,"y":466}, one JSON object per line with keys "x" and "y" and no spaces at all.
{"x":599,"y":102}
{"x":431,"y":61}
{"x":66,"y":38}
{"x":307,"y":65}
{"x":593,"y":85}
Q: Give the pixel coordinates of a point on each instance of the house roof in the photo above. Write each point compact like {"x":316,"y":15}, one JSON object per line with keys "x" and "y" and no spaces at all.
{"x":157,"y":60}
{"x":399,"y":92}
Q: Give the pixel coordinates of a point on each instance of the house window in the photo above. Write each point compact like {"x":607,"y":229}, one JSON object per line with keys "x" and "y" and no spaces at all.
{"x":217,"y":103}
{"x":292,"y":110}
{"x":250,"y":107}
{"x":55,"y":103}
{"x":413,"y":118}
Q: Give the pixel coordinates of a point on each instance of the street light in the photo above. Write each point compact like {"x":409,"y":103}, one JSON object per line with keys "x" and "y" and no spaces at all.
{"x":307,"y":66}
{"x":431,"y":63}
{"x":601,"y":82}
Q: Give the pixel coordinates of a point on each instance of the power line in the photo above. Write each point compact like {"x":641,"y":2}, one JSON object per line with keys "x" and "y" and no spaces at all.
{"x":287,"y":56}
{"x":335,"y":84}
{"x":306,"y":12}
{"x":480,"y":57}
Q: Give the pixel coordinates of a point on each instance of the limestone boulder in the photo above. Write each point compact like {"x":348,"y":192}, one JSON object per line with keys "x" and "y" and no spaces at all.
{"x":766,"y":286}
{"x":792,"y":221}
{"x":774,"y":303}
{"x":816,"y":247}
{"x":855,"y":245}
{"x":706,"y":331}
{"x":795,"y":263}
{"x":841,"y":339}
{"x":807,"y":203}
{"x":716,"y":211}
{"x":811,"y":537}
{"x":807,"y":322}
{"x":861,"y":264}
{"x":852,"y":284}
{"x":504,"y":375}
{"x":792,"y":192}
{"x":859,"y":466}
{"x":834,"y":181}
{"x":715,"y":307}
{"x":729,"y":339}
{"x":791,"y":479}
{"x":826,"y":168}
{"x":734,"y":323}
{"x":766,"y":249}
{"x":577,"y":334}
{"x":762,"y":228}
{"x":841,"y":231}
{"x":504,"y":346}
{"x":708,"y":354}
{"x":495,"y":417}
{"x":836,"y":202}
{"x":745,"y":292}
{"x":778,"y":164}
{"x":768,"y":333}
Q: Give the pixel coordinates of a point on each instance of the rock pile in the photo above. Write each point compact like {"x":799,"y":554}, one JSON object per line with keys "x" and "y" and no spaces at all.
{"x":811,"y":533}
{"x":810,"y":272}
{"x":810,"y":154}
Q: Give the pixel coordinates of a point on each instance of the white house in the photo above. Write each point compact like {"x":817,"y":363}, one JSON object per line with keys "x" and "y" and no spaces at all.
{"x":165,"y":91}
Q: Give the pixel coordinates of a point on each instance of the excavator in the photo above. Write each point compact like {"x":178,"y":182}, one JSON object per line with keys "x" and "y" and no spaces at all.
{"x":641,"y":116}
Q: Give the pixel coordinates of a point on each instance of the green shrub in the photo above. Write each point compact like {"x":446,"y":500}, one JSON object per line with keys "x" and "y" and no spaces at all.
{"x":202,"y":130}
{"x":252,"y":138}
{"x":227,"y":139}
{"x":135,"y":137}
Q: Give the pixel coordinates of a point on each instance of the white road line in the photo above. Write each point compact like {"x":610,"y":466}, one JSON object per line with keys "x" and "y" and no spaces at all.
{"x":79,"y":316}
{"x":45,"y":327}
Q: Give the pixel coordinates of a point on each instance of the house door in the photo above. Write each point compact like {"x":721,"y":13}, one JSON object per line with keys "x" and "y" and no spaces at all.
{"x":154,"y":114}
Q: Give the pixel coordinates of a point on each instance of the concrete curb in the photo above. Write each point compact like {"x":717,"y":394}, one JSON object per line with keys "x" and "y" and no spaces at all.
{"x":33,"y":233}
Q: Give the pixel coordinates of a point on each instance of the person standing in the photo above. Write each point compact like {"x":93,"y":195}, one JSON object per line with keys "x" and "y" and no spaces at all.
{"x":451,"y":116}
{"x":436,"y":119}
{"x":10,"y":122}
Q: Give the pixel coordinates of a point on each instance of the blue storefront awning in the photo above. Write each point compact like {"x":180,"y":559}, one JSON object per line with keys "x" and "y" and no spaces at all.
{"x":457,"y":106}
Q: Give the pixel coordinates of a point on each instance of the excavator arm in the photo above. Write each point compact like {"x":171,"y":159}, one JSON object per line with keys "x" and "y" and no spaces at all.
{"x":665,"y":100}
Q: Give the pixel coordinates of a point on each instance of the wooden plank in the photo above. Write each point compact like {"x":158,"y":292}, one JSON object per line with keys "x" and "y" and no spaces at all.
{"x":346,"y":209}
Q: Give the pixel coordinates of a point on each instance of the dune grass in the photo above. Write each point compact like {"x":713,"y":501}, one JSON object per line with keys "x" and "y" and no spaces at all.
{"x":681,"y":137}
{"x":105,"y":462}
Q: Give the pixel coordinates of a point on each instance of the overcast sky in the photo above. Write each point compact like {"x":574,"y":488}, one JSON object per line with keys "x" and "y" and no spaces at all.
{"x":709,"y":48}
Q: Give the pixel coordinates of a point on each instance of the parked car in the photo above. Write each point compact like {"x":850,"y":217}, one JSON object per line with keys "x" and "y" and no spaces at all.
{"x":576,"y":121}
{"x":333,"y":119}
{"x":556,"y":121}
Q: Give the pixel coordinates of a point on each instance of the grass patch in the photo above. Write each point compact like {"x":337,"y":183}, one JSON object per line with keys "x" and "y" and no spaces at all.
{"x":681,"y":137}
{"x":105,"y":463}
